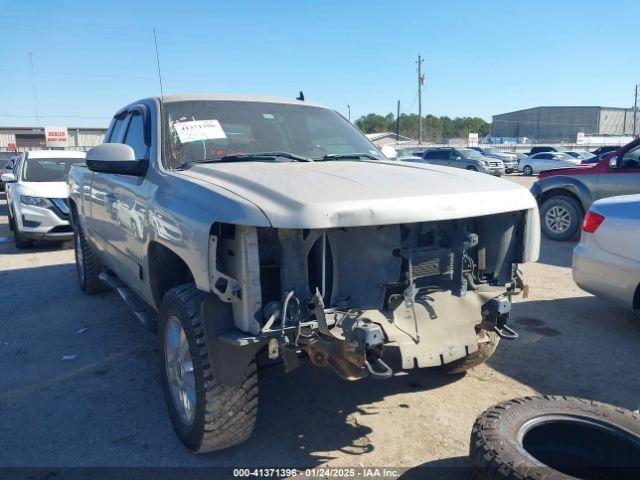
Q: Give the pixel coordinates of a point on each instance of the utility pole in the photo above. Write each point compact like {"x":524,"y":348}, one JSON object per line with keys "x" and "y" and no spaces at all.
{"x":349,"y":110}
{"x":420,"y":83}
{"x":398,"y":124}
{"x":635,"y":113}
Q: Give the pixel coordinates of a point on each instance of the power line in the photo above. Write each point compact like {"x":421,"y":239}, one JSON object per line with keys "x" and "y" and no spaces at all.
{"x":78,"y":74}
{"x":413,"y":102}
{"x":33,"y":82}
{"x":8,"y":115}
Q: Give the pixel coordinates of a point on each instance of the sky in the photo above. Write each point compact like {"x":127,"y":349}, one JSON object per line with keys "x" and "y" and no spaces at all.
{"x":481,"y":58}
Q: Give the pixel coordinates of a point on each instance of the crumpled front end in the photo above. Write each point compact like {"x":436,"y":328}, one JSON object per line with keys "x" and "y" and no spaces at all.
{"x":343,"y":295}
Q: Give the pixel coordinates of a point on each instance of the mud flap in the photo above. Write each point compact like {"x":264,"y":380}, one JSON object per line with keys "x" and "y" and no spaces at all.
{"x":230,"y":350}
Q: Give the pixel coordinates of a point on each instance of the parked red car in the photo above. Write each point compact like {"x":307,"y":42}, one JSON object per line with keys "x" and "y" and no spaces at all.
{"x":565,"y":194}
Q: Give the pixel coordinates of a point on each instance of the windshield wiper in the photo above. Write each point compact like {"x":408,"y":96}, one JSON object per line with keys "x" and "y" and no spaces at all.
{"x":348,"y":156}
{"x":257,"y":156}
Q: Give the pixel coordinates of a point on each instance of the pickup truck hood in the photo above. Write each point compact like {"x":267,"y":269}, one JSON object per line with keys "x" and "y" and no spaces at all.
{"x":359,"y":193}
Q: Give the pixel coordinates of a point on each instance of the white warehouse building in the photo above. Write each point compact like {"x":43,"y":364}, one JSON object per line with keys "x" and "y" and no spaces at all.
{"x":21,"y":139}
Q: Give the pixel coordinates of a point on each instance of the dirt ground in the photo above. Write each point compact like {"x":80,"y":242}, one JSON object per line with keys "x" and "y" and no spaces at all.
{"x":106,"y":408}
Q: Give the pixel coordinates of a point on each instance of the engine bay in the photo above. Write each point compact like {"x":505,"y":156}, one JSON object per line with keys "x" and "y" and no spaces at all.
{"x":342,"y":294}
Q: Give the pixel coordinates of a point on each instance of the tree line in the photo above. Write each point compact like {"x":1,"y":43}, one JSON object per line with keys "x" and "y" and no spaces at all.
{"x":433,"y":128}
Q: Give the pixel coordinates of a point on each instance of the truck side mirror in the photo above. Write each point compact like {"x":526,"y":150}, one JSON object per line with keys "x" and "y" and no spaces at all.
{"x":8,"y":177}
{"x":115,"y":158}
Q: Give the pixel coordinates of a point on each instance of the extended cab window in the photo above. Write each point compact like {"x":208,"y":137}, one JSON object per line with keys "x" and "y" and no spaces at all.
{"x":135,"y":136}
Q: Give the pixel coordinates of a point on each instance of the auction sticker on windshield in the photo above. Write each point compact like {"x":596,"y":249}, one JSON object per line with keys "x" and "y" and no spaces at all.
{"x":196,"y":130}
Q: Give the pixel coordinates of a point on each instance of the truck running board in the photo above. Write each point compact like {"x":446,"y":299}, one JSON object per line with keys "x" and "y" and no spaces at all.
{"x":140,"y":309}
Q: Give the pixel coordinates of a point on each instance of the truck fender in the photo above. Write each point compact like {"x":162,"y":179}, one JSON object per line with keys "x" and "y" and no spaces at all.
{"x":230,"y":350}
{"x":543,"y":190}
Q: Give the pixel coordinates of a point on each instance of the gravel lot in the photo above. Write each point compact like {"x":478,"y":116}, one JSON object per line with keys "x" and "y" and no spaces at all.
{"x":105,"y":408}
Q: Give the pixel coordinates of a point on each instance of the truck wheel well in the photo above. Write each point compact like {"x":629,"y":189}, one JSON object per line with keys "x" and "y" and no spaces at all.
{"x":166,"y":270}
{"x":73,"y":210}
{"x":561,"y":192}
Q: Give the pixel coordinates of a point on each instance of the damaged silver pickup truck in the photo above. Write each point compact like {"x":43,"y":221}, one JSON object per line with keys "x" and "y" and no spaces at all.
{"x":240,"y":225}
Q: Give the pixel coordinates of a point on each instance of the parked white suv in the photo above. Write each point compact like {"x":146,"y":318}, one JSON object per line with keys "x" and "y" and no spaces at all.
{"x":38,"y":197}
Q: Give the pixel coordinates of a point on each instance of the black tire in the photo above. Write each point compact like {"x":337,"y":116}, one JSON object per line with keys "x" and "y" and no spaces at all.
{"x":224,"y":415}
{"x":472,"y":168}
{"x":526,"y":438}
{"x":564,"y":204}
{"x":527,"y":171}
{"x":88,"y":266}
{"x":10,"y":217}
{"x":485,"y":350}
{"x":21,"y":242}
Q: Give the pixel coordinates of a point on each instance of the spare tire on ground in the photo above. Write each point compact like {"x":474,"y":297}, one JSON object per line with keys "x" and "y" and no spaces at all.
{"x":555,"y":438}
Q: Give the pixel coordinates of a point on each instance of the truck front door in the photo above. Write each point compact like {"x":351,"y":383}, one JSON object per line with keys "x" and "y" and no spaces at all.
{"x":121,"y":221}
{"x":622,"y":178}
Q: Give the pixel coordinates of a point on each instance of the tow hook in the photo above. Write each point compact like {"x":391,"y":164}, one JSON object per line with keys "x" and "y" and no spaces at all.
{"x":495,"y":314}
{"x":382,"y":370}
{"x":506,"y":332}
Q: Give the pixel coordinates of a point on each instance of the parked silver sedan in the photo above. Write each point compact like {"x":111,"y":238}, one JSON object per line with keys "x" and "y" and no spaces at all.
{"x":538,"y":162}
{"x":606,"y":262}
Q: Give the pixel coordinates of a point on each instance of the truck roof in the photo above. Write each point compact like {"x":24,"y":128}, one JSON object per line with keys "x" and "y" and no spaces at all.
{"x":185,"y":97}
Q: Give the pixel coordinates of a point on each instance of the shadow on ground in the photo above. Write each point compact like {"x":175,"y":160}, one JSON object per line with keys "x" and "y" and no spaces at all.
{"x":454,"y":468}
{"x":578,"y":346}
{"x":108,"y":399}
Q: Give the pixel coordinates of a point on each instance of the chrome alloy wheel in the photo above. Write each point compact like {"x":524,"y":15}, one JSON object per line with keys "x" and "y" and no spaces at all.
{"x":179,"y":369}
{"x":557,"y":219}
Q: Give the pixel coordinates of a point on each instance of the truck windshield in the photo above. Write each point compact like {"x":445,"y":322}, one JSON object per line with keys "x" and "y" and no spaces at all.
{"x":212,"y":130}
{"x":48,"y":169}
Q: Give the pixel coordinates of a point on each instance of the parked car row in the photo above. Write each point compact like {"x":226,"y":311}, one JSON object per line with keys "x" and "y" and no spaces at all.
{"x":37,"y":196}
{"x":539,"y":158}
{"x":458,"y":157}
